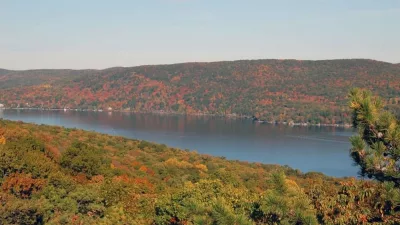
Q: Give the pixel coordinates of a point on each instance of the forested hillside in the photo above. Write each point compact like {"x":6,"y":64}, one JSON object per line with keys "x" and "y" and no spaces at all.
{"x":275,"y":90}
{"x":53,"y":175}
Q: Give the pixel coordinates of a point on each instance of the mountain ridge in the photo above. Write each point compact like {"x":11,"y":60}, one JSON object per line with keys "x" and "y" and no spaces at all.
{"x":273,"y":90}
{"x":193,"y":62}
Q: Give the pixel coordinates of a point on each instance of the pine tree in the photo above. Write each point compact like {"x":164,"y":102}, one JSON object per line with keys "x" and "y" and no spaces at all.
{"x":376,"y":148}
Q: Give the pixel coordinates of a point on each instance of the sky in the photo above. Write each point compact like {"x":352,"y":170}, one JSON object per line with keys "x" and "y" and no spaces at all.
{"x":97,"y":34}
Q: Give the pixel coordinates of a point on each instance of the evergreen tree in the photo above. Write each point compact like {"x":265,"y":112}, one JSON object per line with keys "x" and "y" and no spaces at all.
{"x":376,"y":148}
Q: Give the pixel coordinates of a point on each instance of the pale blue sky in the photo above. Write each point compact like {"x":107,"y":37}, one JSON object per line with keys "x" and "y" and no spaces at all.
{"x":104,"y":33}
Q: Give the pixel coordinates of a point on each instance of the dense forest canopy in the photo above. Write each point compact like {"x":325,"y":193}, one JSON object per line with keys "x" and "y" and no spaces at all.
{"x":55,"y":175}
{"x":274,"y":90}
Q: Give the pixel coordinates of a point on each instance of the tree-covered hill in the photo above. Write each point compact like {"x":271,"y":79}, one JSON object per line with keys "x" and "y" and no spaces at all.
{"x":276,"y":90}
{"x":54,"y":175}
{"x":3,"y":71}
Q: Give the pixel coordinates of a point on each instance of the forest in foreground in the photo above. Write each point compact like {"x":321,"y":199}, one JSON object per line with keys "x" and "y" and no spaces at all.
{"x":55,"y":175}
{"x":272,"y":90}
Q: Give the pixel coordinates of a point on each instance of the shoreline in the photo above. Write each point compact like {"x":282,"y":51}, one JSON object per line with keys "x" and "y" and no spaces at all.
{"x":229,"y":116}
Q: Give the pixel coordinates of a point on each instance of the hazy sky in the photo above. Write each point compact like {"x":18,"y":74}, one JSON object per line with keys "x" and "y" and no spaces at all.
{"x":104,"y":33}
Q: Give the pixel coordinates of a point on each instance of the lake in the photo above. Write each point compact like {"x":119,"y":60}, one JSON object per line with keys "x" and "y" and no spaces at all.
{"x":321,"y":149}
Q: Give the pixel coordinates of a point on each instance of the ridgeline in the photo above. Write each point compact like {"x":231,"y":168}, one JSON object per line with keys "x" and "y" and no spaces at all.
{"x":272,"y":90}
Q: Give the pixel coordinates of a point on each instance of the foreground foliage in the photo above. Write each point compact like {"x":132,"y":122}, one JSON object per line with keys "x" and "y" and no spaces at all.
{"x":377,"y":147}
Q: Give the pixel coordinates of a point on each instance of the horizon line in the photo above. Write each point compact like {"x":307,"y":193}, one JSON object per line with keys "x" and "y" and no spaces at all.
{"x":193,"y":62}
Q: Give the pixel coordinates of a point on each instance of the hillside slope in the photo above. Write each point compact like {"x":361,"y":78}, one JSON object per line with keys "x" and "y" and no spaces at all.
{"x":276,"y":90}
{"x":53,"y":175}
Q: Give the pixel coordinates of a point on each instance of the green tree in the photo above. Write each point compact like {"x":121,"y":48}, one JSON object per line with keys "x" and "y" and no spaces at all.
{"x":285,"y":203}
{"x":18,"y":211}
{"x":82,"y":158}
{"x":205,"y":202}
{"x":376,"y":148}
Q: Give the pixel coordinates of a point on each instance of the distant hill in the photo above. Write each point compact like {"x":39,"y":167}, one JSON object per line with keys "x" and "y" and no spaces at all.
{"x":3,"y":71}
{"x":276,"y":90}
{"x":14,"y":79}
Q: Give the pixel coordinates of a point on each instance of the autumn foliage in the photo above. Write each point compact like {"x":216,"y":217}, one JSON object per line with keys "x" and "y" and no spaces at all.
{"x":22,"y":185}
{"x":274,"y":90}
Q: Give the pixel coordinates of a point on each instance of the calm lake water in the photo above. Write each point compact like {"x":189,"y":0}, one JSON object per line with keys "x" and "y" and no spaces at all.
{"x":322,"y":149}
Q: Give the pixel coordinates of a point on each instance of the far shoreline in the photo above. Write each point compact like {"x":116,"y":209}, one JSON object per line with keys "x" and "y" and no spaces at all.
{"x":229,"y":116}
